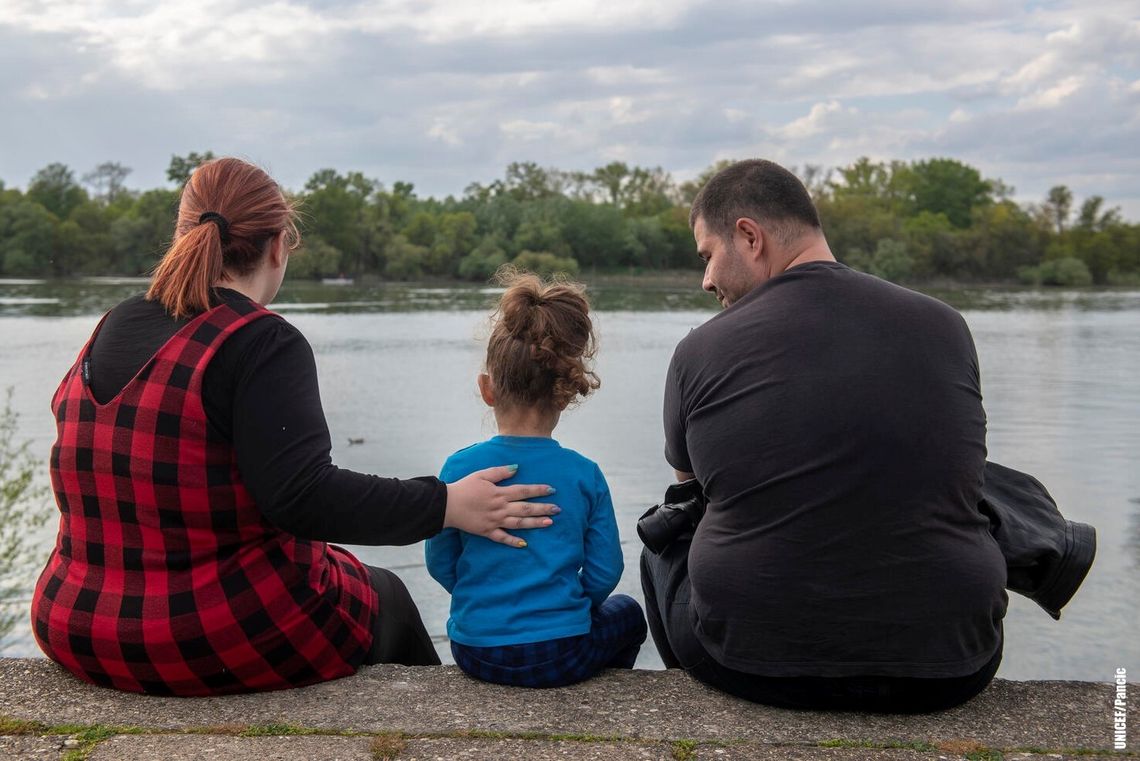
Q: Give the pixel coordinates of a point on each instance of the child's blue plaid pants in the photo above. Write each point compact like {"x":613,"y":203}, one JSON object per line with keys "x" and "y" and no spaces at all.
{"x":616,"y":633}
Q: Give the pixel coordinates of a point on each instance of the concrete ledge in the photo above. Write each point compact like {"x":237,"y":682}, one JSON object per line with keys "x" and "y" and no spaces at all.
{"x":401,"y":712}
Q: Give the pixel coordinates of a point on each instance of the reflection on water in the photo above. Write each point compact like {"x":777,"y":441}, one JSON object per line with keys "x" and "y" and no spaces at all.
{"x":43,"y":298}
{"x":397,"y":365}
{"x":1134,"y":532}
{"x":54,"y":298}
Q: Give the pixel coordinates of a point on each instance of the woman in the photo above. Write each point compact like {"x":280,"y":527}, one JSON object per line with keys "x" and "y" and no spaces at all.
{"x":196,"y":490}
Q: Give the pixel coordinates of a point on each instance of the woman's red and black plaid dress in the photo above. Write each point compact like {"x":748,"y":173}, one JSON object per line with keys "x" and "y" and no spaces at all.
{"x":166,"y":578}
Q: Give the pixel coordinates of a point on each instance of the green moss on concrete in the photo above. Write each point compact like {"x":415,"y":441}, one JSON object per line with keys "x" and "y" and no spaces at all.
{"x":684,"y":750}
{"x":877,"y":745}
{"x":9,"y":726}
{"x":386,"y":745}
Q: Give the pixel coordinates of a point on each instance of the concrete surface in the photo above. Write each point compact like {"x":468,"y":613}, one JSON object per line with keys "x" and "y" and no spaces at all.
{"x":428,"y":713}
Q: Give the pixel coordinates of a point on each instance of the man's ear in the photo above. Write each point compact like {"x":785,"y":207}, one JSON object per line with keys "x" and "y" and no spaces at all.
{"x":751,"y":234}
{"x":486,"y":389}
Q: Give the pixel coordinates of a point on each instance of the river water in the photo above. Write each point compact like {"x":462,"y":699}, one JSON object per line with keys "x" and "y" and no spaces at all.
{"x":397,"y":364}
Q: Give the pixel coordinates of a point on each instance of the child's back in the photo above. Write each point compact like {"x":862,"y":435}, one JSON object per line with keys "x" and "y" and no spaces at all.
{"x":501,"y":596}
{"x":541,"y":617}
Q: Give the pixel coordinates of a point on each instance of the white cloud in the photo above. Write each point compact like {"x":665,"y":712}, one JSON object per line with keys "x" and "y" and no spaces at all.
{"x":522,"y":129}
{"x":447,"y":92}
{"x":1052,"y":96}
{"x":445,"y":132}
{"x":816,"y":121}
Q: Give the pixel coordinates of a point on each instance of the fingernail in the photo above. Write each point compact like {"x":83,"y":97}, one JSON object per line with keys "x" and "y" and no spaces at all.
{"x":513,"y":468}
{"x":555,"y":510}
{"x":550,"y":490}
{"x":547,"y":522}
{"x":521,"y":544}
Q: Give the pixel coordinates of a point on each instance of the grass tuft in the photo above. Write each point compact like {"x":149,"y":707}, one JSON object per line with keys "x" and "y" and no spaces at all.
{"x":684,"y":750}
{"x":10,"y":726}
{"x":387,"y":746}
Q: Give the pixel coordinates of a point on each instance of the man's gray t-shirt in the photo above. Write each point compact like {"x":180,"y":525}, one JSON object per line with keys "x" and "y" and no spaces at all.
{"x":836,"y":423}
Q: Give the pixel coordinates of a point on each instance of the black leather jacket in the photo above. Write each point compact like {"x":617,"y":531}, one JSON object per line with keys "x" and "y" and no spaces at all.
{"x":1046,"y":556}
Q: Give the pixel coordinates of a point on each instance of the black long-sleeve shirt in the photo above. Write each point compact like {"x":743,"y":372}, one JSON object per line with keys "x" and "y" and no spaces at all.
{"x":260,"y":393}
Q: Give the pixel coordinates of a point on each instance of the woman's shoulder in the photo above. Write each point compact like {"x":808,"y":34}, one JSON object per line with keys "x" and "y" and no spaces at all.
{"x":270,"y":326}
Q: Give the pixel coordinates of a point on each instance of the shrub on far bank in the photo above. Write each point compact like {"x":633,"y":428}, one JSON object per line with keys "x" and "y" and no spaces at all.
{"x":482,"y":262}
{"x":1066,"y":271}
{"x":1129,"y":279}
{"x":892,"y":261}
{"x":545,"y":264}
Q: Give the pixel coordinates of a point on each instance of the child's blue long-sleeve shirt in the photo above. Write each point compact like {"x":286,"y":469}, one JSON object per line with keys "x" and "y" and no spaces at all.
{"x":502,"y":595}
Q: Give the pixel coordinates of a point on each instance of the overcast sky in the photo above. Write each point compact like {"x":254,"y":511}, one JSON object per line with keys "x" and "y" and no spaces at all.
{"x":448,"y":92}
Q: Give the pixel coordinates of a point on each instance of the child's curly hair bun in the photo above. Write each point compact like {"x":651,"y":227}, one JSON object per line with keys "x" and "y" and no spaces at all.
{"x":542,"y":342}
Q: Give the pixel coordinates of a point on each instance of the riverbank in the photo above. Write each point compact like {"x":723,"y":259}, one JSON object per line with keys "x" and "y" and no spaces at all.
{"x":395,"y":712}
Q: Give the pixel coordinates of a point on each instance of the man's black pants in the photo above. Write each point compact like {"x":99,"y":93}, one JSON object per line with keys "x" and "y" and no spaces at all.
{"x":665,"y":582}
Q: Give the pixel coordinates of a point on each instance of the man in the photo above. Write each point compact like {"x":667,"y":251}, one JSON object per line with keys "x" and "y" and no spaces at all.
{"x":846,"y":558}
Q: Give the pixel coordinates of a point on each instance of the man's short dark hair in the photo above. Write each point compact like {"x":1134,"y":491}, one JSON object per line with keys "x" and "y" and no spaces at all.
{"x":759,"y":190}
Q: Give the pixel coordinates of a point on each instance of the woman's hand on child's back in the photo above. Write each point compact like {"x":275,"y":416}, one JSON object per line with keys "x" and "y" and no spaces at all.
{"x":478,"y":505}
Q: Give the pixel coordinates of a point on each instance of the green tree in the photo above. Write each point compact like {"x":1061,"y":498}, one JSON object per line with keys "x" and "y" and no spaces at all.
{"x":342,"y":211}
{"x":454,"y":239}
{"x":1094,"y":217}
{"x":315,"y":259}
{"x":27,"y":238}
{"x":1006,"y":239}
{"x":483,"y":261}
{"x":891,"y":261}
{"x":1058,"y":206}
{"x":106,"y":181}
{"x":141,"y":235}
{"x":930,"y":242}
{"x":23,"y":510}
{"x":680,"y":250}
{"x":646,"y":244}
{"x":611,"y":179}
{"x":1066,"y":271}
{"x":527,"y":181}
{"x":594,"y":234}
{"x":947,"y":186}
{"x":876,"y":184}
{"x":688,"y":190}
{"x":545,"y":264}
{"x":421,"y":229}
{"x":54,"y":187}
{"x":406,"y":260}
{"x":181,"y":167}
{"x":648,"y":192}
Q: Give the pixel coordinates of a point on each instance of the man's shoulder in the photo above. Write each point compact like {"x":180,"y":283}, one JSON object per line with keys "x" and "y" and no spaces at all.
{"x":863,"y":282}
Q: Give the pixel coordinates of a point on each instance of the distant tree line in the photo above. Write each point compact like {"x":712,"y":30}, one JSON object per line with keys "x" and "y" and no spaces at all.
{"x":916,"y":221}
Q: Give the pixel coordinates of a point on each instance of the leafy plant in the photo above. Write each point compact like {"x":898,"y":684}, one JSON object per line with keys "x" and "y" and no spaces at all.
{"x":22,"y":512}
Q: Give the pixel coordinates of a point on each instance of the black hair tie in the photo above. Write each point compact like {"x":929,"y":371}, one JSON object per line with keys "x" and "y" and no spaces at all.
{"x":220,"y":221}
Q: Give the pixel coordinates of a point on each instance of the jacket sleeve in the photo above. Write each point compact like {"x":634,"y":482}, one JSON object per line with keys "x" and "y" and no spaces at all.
{"x":1046,"y":556}
{"x":283,"y":449}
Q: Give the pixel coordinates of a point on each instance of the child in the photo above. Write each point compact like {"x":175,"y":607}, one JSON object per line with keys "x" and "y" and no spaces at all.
{"x":541,"y":617}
